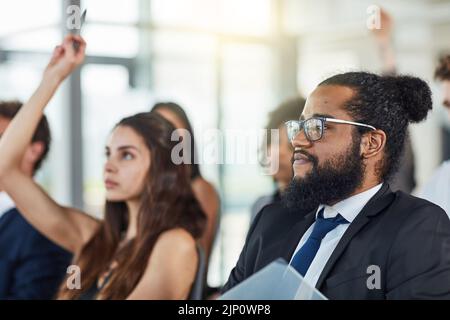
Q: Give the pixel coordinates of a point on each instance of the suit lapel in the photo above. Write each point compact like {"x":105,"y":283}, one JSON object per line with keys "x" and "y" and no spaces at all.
{"x":378,"y":202}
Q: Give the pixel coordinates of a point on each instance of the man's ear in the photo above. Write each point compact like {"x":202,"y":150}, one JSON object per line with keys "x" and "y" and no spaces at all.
{"x":372,"y":143}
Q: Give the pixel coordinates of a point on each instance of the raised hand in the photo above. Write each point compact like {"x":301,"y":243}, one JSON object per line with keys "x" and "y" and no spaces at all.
{"x":65,"y":58}
{"x":383,"y":39}
{"x":384,"y":34}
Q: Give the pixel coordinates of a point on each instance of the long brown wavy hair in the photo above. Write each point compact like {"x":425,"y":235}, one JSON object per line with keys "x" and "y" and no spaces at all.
{"x":166,"y":202}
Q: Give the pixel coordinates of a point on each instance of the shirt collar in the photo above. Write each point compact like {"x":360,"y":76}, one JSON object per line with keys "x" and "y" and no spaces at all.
{"x":349,"y":208}
{"x":6,"y":203}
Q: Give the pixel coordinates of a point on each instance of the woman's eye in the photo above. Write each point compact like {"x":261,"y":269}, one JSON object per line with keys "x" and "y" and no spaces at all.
{"x":127,"y":156}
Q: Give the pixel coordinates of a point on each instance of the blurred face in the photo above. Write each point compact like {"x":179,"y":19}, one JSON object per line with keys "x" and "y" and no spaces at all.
{"x":330,"y":169}
{"x":284,"y":174}
{"x":127,"y":165}
{"x":446,"y":95}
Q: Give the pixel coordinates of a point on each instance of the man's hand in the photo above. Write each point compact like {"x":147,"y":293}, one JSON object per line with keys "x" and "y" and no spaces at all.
{"x":65,"y":58}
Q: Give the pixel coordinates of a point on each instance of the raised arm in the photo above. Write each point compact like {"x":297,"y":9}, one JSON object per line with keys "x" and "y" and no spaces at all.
{"x":383,"y":38}
{"x":67,"y":227}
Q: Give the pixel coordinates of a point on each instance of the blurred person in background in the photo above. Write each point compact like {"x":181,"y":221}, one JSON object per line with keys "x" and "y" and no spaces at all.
{"x":288,"y":110}
{"x":145,"y":247}
{"x":203,"y":189}
{"x":437,"y":189}
{"x":404,"y":179}
{"x":31,"y":266}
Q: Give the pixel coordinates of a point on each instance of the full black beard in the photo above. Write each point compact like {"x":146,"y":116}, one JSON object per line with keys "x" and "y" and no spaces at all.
{"x":328,"y":184}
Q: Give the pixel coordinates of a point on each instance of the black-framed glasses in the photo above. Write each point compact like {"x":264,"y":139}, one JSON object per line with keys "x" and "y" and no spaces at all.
{"x":314,"y":127}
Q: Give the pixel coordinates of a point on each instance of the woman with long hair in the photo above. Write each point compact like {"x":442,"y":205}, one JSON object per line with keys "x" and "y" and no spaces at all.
{"x":145,"y":247}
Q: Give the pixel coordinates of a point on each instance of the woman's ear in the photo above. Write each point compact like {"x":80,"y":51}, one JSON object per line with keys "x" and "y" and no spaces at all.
{"x":372,"y":143}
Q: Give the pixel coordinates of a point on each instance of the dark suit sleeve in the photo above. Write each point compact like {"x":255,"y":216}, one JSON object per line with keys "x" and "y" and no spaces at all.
{"x":40,"y":269}
{"x":419,"y":263}
{"x":237,"y":275}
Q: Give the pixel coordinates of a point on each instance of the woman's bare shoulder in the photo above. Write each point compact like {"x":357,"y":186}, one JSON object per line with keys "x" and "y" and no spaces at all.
{"x":176,"y":239}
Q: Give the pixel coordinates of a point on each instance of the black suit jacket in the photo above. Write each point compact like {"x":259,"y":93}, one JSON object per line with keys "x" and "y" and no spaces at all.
{"x":406,"y":237}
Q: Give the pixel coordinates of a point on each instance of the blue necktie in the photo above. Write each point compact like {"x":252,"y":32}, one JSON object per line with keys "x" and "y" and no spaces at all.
{"x":304,"y":257}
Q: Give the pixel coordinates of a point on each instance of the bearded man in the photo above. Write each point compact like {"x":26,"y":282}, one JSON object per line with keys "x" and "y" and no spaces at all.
{"x":340,"y":218}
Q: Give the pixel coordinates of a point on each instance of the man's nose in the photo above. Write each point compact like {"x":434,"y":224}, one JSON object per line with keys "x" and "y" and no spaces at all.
{"x":300,"y":140}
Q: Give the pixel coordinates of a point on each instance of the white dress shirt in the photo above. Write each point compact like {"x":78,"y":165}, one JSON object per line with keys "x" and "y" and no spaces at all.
{"x":437,"y":189}
{"x":6,"y":203}
{"x":349,"y":209}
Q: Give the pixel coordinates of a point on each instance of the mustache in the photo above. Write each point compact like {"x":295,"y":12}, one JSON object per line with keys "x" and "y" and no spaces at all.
{"x":310,"y":157}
